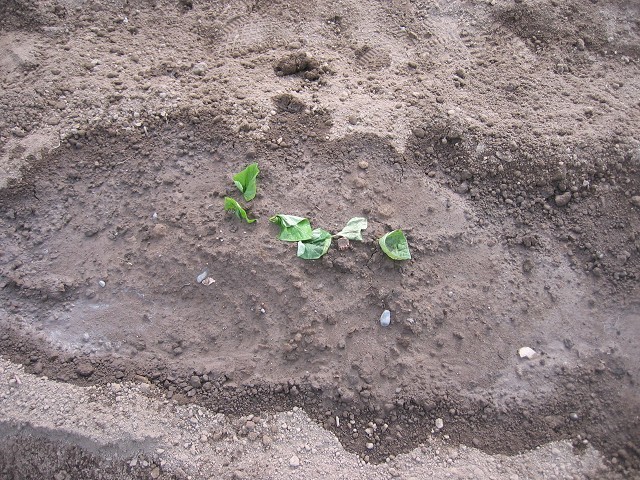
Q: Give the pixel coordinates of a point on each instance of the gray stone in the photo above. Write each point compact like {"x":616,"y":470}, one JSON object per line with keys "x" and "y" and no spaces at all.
{"x":200,"y":69}
{"x":85,"y":369}
{"x":563,"y":200}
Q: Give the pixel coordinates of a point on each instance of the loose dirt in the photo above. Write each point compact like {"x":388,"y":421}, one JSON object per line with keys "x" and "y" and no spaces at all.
{"x":501,"y":137}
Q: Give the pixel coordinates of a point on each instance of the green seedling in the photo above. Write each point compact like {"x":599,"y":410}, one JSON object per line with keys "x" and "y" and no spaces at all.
{"x":246,"y":181}
{"x":316,"y":246}
{"x":395,"y":245}
{"x":353,"y":229}
{"x":230,"y":205}
{"x":292,"y":228}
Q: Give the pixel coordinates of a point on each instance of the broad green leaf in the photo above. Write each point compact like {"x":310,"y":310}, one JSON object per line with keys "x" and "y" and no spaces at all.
{"x":395,"y":245}
{"x":230,"y":205}
{"x":316,"y":246}
{"x":246,"y":181}
{"x":292,"y":228}
{"x":353,"y":229}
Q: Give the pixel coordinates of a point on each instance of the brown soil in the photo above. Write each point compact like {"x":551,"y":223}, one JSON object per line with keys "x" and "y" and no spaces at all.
{"x":501,"y":137}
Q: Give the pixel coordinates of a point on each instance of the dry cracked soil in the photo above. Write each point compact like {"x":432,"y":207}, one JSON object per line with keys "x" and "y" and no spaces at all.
{"x":502,"y":137}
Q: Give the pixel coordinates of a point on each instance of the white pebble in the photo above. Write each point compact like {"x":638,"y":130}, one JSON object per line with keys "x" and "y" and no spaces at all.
{"x":526,"y":352}
{"x":385,"y":318}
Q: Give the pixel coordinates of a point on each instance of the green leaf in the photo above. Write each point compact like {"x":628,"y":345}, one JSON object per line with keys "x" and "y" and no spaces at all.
{"x":353,"y":229}
{"x":395,"y":245}
{"x":230,"y":205}
{"x":316,"y":246}
{"x":246,"y":181}
{"x":292,"y":228}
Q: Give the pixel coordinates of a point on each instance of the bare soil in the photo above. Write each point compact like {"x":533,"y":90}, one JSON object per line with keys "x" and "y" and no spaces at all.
{"x":501,"y":136}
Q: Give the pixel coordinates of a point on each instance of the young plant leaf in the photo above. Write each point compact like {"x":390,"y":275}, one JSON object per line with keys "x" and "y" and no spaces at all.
{"x":395,"y":245}
{"x":292,"y":228}
{"x":246,"y":181}
{"x":353,"y":229}
{"x":230,"y":205}
{"x":316,"y":246}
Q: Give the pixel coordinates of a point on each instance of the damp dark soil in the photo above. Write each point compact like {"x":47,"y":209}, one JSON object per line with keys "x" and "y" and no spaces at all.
{"x":143,"y":217}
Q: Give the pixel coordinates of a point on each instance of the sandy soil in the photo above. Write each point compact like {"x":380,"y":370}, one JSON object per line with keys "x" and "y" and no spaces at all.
{"x":501,"y":137}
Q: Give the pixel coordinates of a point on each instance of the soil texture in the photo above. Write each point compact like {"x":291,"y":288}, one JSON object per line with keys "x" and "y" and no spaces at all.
{"x":500,"y":136}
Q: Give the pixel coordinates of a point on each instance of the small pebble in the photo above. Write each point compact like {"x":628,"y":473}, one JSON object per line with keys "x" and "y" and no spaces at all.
{"x":294,"y":461}
{"x":563,"y":200}
{"x":527,"y":352}
{"x":202,"y":276}
{"x":102,"y":283}
{"x":385,"y":318}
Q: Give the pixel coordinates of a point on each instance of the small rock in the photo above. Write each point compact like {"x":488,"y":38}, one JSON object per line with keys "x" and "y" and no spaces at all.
{"x":574,"y":416}
{"x":267,"y":441}
{"x":200,"y":69}
{"x":18,"y":132}
{"x":195,"y":381}
{"x":385,"y":318}
{"x":85,"y":369}
{"x":294,"y":461}
{"x":202,"y":276}
{"x":635,"y":201}
{"x":363,"y":164}
{"x":353,"y":119}
{"x":563,"y":200}
{"x":102,"y":283}
{"x":155,"y":473}
{"x":208,"y":281}
{"x":527,"y":352}
{"x":369,"y":446}
{"x":439,"y":423}
{"x":462,"y":188}
{"x":418,"y":132}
